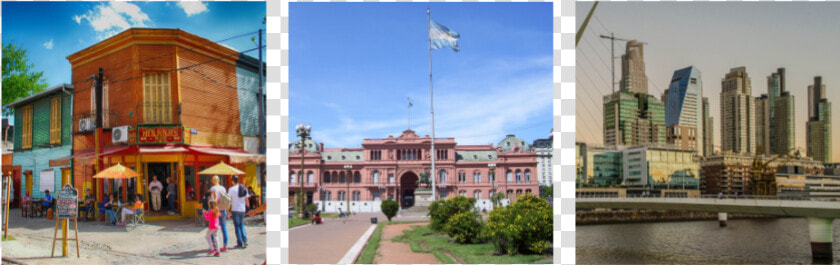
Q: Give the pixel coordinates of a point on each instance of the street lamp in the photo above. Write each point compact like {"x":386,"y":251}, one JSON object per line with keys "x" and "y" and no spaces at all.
{"x":302,"y":131}
{"x":323,"y":192}
{"x":349,"y":176}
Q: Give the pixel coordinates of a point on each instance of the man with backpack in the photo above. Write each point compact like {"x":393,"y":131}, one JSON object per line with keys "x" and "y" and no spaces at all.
{"x":239,"y":204}
{"x":223,"y":203}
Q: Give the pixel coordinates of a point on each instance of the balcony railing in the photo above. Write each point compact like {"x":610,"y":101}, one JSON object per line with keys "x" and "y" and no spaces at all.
{"x":157,"y":113}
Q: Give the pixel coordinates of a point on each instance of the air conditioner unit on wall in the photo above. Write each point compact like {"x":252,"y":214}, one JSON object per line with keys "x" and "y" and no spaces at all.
{"x":86,"y":124}
{"x":119,"y":134}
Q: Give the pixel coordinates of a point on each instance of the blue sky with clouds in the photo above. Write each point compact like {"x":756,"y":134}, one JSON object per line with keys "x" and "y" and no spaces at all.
{"x":51,"y":31}
{"x":352,"y":67}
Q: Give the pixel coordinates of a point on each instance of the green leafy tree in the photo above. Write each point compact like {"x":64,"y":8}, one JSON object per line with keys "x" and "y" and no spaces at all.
{"x":546,"y":191}
{"x":19,"y":77}
{"x":390,"y":208}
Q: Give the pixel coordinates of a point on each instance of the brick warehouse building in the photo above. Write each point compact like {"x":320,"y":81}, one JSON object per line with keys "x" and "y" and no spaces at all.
{"x":389,"y":169}
{"x":729,"y":173}
{"x":172,"y":104}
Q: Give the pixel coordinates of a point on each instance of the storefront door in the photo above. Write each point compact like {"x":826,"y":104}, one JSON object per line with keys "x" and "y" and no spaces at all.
{"x":163,"y":171}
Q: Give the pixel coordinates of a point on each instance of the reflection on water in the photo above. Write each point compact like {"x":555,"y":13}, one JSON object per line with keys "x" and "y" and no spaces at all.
{"x":759,"y":241}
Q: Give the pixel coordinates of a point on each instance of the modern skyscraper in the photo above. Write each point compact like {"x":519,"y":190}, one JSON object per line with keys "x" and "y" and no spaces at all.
{"x":633,"y":119}
{"x":708,"y":130}
{"x":762,"y":123}
{"x":683,"y":105}
{"x":775,"y":116}
{"x":818,"y":127}
{"x":633,"y":77}
{"x":737,"y":109}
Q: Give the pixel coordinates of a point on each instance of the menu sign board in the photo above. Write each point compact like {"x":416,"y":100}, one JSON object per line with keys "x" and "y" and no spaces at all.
{"x":161,"y":135}
{"x":67,"y":205}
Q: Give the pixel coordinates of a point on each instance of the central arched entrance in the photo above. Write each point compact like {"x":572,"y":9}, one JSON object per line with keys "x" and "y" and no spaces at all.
{"x":408,"y":182}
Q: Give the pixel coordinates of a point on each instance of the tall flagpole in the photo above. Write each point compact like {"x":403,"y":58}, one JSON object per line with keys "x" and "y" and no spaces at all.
{"x":432,"y":96}
{"x":409,"y":113}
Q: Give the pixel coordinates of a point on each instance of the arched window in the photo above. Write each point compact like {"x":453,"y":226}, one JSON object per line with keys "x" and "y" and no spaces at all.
{"x":509,"y":176}
{"x":375,"y":176}
{"x":328,"y":196}
{"x":442,"y":177}
{"x":341,"y":178}
{"x":528,"y":191}
{"x":462,"y":177}
{"x":518,"y":176}
{"x":309,"y":176}
{"x":527,"y":176}
{"x":327,"y":177}
{"x":291,"y":177}
{"x":375,"y":195}
{"x":462,"y":193}
{"x":390,"y":178}
{"x":357,"y":195}
{"x":357,"y":178}
{"x":477,"y":194}
{"x":477,"y":177}
{"x":342,"y":195}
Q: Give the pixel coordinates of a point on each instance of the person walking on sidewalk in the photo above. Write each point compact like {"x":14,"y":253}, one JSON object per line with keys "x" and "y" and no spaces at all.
{"x":170,"y":195}
{"x":239,"y":203}
{"x":212,"y":217}
{"x":155,"y":188}
{"x":220,"y":196}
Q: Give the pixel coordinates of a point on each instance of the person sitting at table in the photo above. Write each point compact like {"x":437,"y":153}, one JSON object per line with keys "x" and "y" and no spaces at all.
{"x":254,"y":199}
{"x":46,"y":203}
{"x":89,"y":204}
{"x":27,"y":205}
{"x":109,"y":209}
{"x":138,"y":206}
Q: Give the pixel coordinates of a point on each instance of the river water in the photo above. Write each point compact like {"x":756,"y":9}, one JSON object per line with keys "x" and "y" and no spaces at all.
{"x":755,"y":241}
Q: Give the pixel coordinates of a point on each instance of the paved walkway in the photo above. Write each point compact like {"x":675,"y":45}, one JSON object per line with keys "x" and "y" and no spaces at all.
{"x":156,"y":242}
{"x":398,"y":252}
{"x":327,"y":243}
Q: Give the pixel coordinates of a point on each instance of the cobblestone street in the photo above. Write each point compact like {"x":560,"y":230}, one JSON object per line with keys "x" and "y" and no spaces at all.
{"x":157,"y":242}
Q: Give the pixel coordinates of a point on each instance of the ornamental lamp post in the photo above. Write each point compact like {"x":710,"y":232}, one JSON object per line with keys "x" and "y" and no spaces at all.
{"x":302,"y":131}
{"x":347,"y":179}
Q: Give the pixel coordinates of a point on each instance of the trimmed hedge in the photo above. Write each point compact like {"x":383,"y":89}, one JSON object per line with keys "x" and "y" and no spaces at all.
{"x":390,"y":208}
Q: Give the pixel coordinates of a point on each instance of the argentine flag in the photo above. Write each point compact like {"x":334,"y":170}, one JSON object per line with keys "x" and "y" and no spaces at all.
{"x":441,"y":36}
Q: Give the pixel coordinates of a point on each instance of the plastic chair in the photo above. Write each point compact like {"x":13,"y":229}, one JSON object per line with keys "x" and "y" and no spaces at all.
{"x":137,"y":218}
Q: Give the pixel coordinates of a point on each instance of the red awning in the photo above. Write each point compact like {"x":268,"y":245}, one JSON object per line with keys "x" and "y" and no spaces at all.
{"x":163,"y":149}
{"x":235,"y":156}
{"x":86,"y":154}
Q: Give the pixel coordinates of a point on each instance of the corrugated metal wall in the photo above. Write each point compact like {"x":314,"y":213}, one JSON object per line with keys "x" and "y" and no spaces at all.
{"x":38,"y":160}
{"x":247,"y":82}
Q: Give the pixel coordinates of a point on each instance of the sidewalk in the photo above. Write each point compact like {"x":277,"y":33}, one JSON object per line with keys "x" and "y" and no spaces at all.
{"x":157,"y":242}
{"x":327,"y":243}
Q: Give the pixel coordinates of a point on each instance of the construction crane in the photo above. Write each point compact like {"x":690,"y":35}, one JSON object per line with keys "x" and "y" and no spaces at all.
{"x":612,"y":39}
{"x":585,"y":22}
{"x":763,"y":176}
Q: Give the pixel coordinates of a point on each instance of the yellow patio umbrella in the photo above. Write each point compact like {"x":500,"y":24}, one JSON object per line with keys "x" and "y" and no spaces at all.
{"x":221,"y":169}
{"x":116,"y":172}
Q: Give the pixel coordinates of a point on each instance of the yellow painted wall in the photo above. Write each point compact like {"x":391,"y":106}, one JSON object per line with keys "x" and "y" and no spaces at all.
{"x":251,"y":179}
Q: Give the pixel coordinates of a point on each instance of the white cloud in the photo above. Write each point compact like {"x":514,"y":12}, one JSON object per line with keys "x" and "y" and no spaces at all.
{"x":49,"y":44}
{"x":192,"y":7}
{"x":110,"y":18}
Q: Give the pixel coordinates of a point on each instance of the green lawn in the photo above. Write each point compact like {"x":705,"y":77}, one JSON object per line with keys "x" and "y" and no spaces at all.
{"x":424,"y":239}
{"x":372,"y":245}
{"x":9,"y":238}
{"x":298,"y":222}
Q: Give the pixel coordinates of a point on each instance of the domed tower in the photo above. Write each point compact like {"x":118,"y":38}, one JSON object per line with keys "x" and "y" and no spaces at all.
{"x":513,"y":143}
{"x":310,"y":145}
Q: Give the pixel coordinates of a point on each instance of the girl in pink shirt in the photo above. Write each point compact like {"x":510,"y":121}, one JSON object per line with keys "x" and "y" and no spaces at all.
{"x":212,"y":217}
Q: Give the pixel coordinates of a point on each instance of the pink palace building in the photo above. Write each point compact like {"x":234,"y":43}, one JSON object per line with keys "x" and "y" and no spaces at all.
{"x":389,"y":169}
